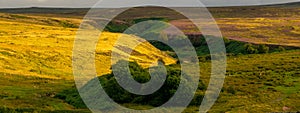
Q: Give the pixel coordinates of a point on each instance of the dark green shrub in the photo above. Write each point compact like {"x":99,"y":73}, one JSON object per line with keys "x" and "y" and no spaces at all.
{"x":72,"y":97}
{"x":202,"y":59}
{"x":250,"y":49}
{"x":201,"y":85}
{"x":116,"y":27}
{"x":146,"y":19}
{"x":263,"y":49}
{"x":280,"y":48}
{"x":161,"y":46}
{"x":120,"y":27}
{"x":197,"y":100}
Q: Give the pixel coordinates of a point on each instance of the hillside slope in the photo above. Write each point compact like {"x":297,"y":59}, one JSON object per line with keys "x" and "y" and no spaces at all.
{"x":29,"y":48}
{"x":36,"y":60}
{"x":270,"y":24}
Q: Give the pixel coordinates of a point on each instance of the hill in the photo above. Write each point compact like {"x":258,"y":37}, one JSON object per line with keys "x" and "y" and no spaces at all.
{"x":291,"y":4}
{"x":269,"y":24}
{"x":25,"y":42}
{"x":36,"y":59}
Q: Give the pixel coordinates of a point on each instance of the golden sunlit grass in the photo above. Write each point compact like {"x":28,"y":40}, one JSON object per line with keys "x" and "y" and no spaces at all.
{"x":46,"y":50}
{"x":31,"y":49}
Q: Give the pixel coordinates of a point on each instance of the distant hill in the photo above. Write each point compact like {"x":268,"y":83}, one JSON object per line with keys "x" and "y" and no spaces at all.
{"x":80,"y":12}
{"x":291,"y":4}
{"x":74,"y":12}
{"x":245,"y":22}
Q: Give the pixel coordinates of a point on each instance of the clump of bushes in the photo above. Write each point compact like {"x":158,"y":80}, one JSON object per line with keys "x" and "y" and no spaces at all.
{"x":120,"y":27}
{"x":254,"y":49}
{"x":72,"y":97}
{"x":121,"y":96}
{"x":280,"y":48}
{"x":235,"y":48}
{"x":263,"y":49}
{"x":161,"y":46}
{"x":116,"y":27}
{"x":250,"y":49}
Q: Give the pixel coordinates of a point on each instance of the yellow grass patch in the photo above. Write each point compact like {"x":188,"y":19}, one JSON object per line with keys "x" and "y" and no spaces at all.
{"x":37,"y":49}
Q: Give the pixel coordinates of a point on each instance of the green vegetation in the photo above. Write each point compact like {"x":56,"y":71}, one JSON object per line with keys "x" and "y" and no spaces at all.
{"x":20,"y":17}
{"x":250,"y":49}
{"x":32,"y":110}
{"x":121,"y":96}
{"x":268,"y":84}
{"x":26,"y":94}
{"x":234,"y":47}
{"x":117,"y":26}
{"x":263,"y":49}
{"x":161,"y":46}
{"x":68,"y":24}
{"x":261,"y":83}
{"x":146,"y":19}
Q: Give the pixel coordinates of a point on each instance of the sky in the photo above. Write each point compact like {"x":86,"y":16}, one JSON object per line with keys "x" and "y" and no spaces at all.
{"x":117,"y":3}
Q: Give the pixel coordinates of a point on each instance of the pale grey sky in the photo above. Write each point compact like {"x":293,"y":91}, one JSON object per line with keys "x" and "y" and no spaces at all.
{"x":89,"y":3}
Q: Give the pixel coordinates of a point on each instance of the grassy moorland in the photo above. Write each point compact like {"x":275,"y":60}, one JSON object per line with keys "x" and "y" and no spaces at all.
{"x":260,"y":30}
{"x":277,"y":24}
{"x":260,"y":83}
{"x":36,"y":60}
{"x":254,"y":83}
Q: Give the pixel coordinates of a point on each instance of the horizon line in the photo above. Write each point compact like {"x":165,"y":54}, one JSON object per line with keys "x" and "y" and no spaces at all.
{"x":89,"y":7}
